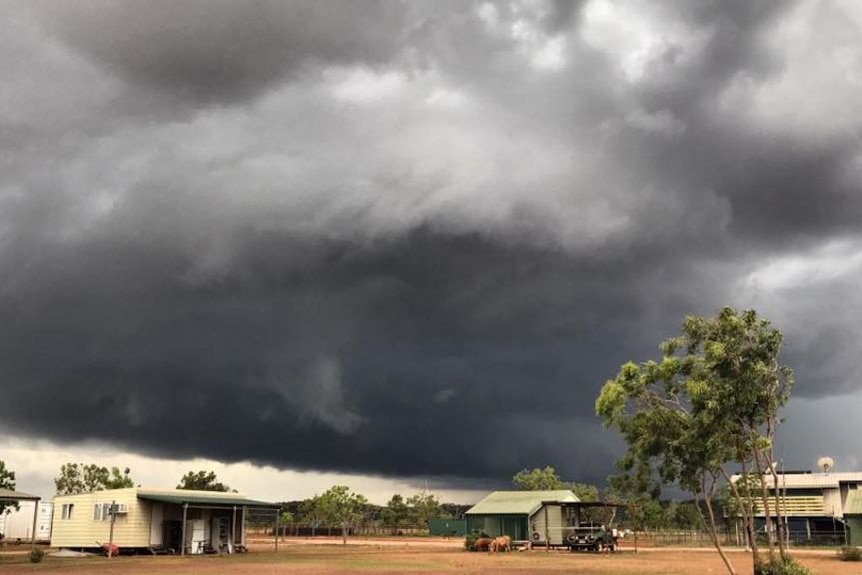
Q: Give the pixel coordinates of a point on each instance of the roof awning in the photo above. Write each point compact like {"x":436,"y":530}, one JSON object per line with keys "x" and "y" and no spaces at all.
{"x":12,"y":495}
{"x":221,"y":501}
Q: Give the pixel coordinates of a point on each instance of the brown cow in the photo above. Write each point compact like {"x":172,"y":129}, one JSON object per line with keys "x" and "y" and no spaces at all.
{"x":502,"y":543}
{"x":482,"y":543}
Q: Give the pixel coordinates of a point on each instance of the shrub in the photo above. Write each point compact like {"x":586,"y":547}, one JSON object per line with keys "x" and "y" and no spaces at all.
{"x":36,"y":555}
{"x":788,"y":566}
{"x":850,"y":553}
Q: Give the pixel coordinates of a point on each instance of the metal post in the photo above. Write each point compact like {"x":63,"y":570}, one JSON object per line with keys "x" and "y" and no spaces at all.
{"x":277,"y":517}
{"x":183,"y":540}
{"x":232,"y":545}
{"x":113,"y":514}
{"x":35,"y":517}
{"x":242,"y":527}
{"x":547,"y":530}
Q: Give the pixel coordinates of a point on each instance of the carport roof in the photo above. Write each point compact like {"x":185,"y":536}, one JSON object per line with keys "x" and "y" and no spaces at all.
{"x":12,"y":495}
{"x":216,"y":499}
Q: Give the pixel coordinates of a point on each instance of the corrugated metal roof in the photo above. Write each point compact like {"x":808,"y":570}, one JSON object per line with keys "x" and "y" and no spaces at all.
{"x":213,"y":498}
{"x":12,"y":495}
{"x":813,"y":480}
{"x":853,"y":505}
{"x":519,"y":502}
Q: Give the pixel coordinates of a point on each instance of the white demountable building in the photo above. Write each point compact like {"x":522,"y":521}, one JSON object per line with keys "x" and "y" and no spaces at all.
{"x":169,"y":520}
{"x":19,"y":497}
{"x":19,"y":525}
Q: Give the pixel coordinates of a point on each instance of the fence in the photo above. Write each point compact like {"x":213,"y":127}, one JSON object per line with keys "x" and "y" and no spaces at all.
{"x":312,"y":530}
{"x":728,"y":539}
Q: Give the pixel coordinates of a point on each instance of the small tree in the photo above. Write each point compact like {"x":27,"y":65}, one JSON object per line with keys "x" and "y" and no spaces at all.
{"x":311,"y":512}
{"x":710,"y":404}
{"x":538,"y":480}
{"x":396,"y":512}
{"x":80,"y":478}
{"x":7,"y":481}
{"x":202,"y":481}
{"x":71,"y":480}
{"x":423,"y":507}
{"x":342,"y":507}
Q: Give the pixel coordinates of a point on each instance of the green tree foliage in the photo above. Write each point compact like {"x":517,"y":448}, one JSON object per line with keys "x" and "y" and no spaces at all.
{"x":685,"y":515}
{"x":538,"y":480}
{"x":340,"y":506}
{"x":710,"y":404}
{"x":454,"y":510}
{"x":584,"y":491}
{"x":547,"y":479}
{"x":423,"y":507}
{"x":202,"y":481}
{"x":80,"y":478}
{"x":311,"y":512}
{"x":7,"y":481}
{"x":117,"y":480}
{"x":396,"y":514}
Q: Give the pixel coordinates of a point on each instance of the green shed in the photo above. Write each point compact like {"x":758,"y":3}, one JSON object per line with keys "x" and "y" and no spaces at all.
{"x":853,"y":517}
{"x":522,"y":515}
{"x":447,"y":527}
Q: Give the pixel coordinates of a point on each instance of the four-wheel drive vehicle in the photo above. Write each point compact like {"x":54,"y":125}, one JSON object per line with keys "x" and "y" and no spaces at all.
{"x":591,"y":538}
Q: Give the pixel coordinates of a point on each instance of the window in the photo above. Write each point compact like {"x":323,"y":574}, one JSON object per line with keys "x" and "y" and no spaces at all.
{"x":101,"y":511}
{"x":67,"y":510}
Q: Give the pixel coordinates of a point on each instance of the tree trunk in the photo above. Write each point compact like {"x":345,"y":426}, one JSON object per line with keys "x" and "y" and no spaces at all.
{"x":746,"y":512}
{"x":713,"y":531}
{"x":344,"y":534}
{"x":783,"y":535}
{"x":764,"y":498}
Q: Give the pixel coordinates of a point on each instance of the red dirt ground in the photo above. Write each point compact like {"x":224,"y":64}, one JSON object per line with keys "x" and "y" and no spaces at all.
{"x":416,"y":556}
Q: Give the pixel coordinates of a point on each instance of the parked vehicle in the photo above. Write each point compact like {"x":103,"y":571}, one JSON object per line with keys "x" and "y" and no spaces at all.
{"x":590,"y":538}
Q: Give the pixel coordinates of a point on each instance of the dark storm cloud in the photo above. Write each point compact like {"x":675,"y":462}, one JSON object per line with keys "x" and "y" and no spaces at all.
{"x":408,"y":230}
{"x":215,"y":50}
{"x":382,"y":358}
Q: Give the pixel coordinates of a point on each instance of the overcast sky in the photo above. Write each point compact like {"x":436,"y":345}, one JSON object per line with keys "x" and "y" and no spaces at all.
{"x":409,"y":241}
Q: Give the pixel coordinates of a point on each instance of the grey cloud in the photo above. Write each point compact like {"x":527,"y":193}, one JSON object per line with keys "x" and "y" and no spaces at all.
{"x":212,"y":51}
{"x":375,"y":267}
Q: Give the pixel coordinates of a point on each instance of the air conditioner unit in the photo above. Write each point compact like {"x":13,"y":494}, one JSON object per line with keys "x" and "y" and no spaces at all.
{"x":121,"y":508}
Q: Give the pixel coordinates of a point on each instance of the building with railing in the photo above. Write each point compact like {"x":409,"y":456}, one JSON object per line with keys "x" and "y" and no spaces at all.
{"x":815,"y":506}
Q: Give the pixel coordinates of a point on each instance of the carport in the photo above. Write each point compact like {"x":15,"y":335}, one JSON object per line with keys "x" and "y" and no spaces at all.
{"x":12,"y":496}
{"x":234,"y":509}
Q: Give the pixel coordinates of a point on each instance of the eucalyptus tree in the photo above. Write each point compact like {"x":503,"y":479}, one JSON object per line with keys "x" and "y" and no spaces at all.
{"x":340,"y":506}
{"x":202,"y":481}
{"x":80,"y":478}
{"x":7,"y":481}
{"x":708,"y":408}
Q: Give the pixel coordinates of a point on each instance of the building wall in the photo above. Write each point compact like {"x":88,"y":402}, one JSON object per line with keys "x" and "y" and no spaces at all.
{"x":832,"y":504}
{"x":82,"y":530}
{"x":19,"y":524}
{"x":548,"y":523}
{"x":515,"y":526}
